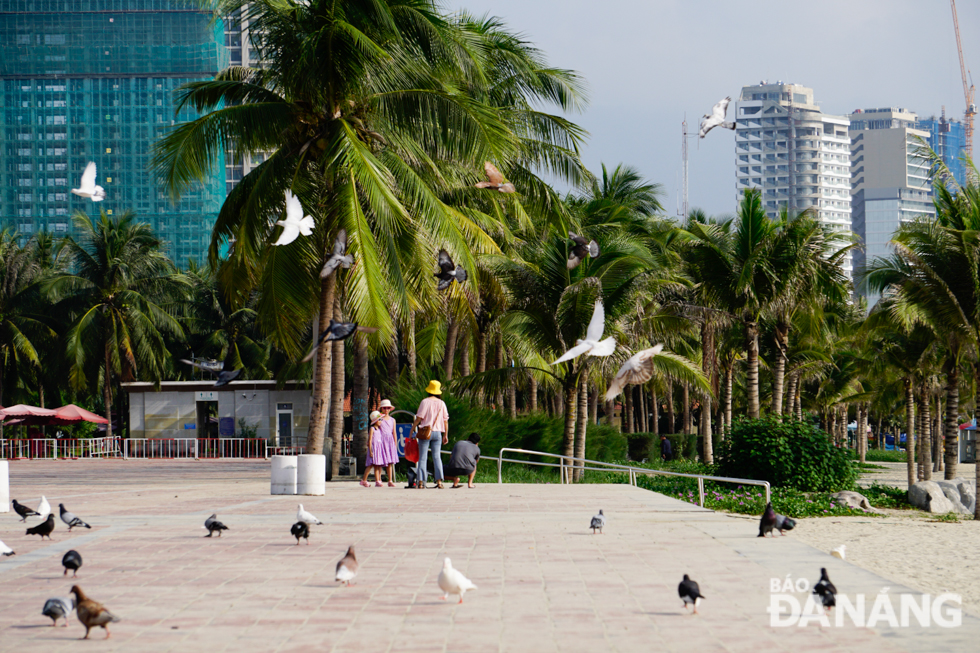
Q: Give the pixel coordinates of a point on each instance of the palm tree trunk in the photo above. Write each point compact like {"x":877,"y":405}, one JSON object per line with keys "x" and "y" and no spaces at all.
{"x":951,"y":455}
{"x":359,"y":400}
{"x":937,"y":458}
{"x":499,"y":364}
{"x":655,"y":403}
{"x":926,"y":438}
{"x":464,"y":353}
{"x":628,"y":410}
{"x":641,"y":405}
{"x":337,"y":383}
{"x":798,"y":400}
{"x":686,"y":399}
{"x":729,"y":381}
{"x":909,"y":433}
{"x":533,"y":395}
{"x":790,"y":393}
{"x":594,"y":406}
{"x":779,"y":369}
{"x":449,"y":356}
{"x":671,"y":417}
{"x":708,"y":455}
{"x":107,"y":389}
{"x":412,"y":359}
{"x":862,"y":429}
{"x":752,"y":368}
{"x":391,"y":363}
{"x":609,"y":407}
{"x":568,"y":440}
{"x":511,"y":395}
{"x":321,"y":374}
{"x":583,"y":423}
{"x":832,"y":424}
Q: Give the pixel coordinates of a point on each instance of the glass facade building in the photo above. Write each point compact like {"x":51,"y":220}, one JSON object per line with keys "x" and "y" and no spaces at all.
{"x":88,"y":80}
{"x":947,"y":138}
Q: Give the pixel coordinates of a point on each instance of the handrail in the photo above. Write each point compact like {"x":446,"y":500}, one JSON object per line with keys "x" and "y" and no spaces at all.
{"x":566,"y":465}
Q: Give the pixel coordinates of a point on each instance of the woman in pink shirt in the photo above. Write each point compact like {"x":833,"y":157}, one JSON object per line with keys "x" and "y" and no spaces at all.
{"x":433,"y":413}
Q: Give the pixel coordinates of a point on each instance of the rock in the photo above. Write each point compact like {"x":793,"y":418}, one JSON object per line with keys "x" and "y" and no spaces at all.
{"x":968,"y":495}
{"x":952,"y":493}
{"x":855,"y":500}
{"x":929,"y":496}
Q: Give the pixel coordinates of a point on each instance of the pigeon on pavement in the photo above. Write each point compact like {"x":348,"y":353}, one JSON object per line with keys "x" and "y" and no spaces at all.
{"x":58,"y":608}
{"x":592,"y":342}
{"x":303,"y":516}
{"x":599,"y":521}
{"x":338,"y":258}
{"x":768,"y":521}
{"x":496,"y":180}
{"x":72,"y":560}
{"x":44,"y":529}
{"x":716,"y":118}
{"x":448,"y":271}
{"x":336,"y":331}
{"x":784,"y":523}
{"x":23,"y":510}
{"x":92,"y":613}
{"x":347,"y":567}
{"x":839,"y":552}
{"x":294,"y":224}
{"x":300,"y":529}
{"x":70,"y":519}
{"x":690,"y":593}
{"x":825,"y":590}
{"x":637,"y":370}
{"x":452,"y":581}
{"x":6,"y":550}
{"x":582,"y":249}
{"x":214,"y":526}
{"x":44,"y":508}
{"x":88,"y":188}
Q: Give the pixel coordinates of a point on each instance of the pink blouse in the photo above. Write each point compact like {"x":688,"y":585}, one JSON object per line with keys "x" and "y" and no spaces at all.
{"x":433,"y":412}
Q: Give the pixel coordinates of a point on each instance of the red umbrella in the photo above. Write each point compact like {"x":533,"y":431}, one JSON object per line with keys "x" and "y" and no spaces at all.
{"x":22,"y":410}
{"x":72,"y":413}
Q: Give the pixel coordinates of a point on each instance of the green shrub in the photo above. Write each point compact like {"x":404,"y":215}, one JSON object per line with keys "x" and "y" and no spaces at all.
{"x":880,"y":456}
{"x":787,"y":454}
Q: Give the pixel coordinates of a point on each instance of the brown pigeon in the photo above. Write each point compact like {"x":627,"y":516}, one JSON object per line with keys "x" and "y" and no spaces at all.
{"x":92,"y":613}
{"x":496,"y":180}
{"x":347,"y":567}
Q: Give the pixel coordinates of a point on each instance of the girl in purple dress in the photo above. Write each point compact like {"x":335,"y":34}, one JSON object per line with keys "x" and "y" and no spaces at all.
{"x":382,"y":449}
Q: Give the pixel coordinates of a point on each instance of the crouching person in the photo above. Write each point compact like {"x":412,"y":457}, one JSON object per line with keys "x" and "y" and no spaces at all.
{"x":462,"y":461}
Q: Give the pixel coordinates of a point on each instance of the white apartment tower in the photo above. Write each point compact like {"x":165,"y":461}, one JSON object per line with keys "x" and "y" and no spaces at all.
{"x":798,"y":157}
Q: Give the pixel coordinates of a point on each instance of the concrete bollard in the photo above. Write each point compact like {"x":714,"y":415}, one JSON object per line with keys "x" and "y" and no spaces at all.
{"x":4,"y":486}
{"x":283,"y":475}
{"x":311,"y":474}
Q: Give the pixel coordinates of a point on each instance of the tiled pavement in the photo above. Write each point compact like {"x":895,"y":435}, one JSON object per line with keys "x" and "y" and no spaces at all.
{"x":546,"y":583}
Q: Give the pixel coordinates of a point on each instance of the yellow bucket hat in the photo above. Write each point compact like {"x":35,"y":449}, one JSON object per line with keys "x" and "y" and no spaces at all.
{"x":434,"y":388}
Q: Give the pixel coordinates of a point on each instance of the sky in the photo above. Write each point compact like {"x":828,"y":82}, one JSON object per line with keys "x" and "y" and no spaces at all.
{"x":647,"y":63}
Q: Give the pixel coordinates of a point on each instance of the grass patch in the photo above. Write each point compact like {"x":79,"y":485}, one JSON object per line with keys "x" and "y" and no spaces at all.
{"x":948,"y":518}
{"x":880,"y":456}
{"x":863,"y":466}
{"x":887,"y":496}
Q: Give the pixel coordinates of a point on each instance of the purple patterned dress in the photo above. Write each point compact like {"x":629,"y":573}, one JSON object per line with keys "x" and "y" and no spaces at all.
{"x":385,"y":447}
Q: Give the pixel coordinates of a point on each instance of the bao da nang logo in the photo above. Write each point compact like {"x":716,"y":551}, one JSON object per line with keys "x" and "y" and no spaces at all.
{"x":787,"y":608}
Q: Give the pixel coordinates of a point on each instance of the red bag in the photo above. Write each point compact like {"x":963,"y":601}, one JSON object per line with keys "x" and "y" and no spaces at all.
{"x":412,"y":450}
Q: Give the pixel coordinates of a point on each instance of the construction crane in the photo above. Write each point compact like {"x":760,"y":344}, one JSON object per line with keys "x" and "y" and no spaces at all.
{"x":968,"y":89}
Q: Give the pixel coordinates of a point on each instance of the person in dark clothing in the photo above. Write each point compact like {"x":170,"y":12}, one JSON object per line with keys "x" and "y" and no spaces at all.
{"x":665,"y":449}
{"x":462,"y":462}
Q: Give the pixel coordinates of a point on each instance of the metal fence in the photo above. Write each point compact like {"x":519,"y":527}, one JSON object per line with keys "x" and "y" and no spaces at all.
{"x":65,"y":448}
{"x":152,"y":448}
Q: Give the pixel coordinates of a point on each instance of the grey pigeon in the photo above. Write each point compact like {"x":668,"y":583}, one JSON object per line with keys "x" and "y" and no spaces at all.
{"x":495,"y":180}
{"x":338,"y":258}
{"x":23,"y":510}
{"x":690,"y":593}
{"x":300,"y":529}
{"x":448,"y":271}
{"x":214,"y":526}
{"x":336,"y":331}
{"x":70,"y":519}
{"x":716,"y":118}
{"x":347,"y":567}
{"x":44,"y":529}
{"x":58,"y":608}
{"x":582,"y":249}
{"x":226,"y":371}
{"x":784,"y":523}
{"x":6,"y":550}
{"x":768,"y":521}
{"x":825,"y":590}
{"x":72,"y":560}
{"x":598,"y":522}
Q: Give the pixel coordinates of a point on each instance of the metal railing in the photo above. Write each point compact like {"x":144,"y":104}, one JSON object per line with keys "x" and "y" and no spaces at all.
{"x":64,"y":448}
{"x":566,"y":465}
{"x":194,"y":448}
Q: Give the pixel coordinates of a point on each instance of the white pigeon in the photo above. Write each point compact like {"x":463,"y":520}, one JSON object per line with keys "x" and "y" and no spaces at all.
{"x":44,"y":508}
{"x":294,"y":224}
{"x":637,"y":370}
{"x":308,"y":518}
{"x":716,"y":118}
{"x":839,"y":552}
{"x":592,"y":343}
{"x":88,"y":188}
{"x":453,"y":582}
{"x":5,"y":550}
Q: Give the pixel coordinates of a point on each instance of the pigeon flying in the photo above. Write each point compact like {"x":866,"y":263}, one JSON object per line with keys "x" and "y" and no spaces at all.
{"x":226,"y":371}
{"x":303,"y":516}
{"x":88,"y":188}
{"x":768,"y":521}
{"x":582,"y":249}
{"x":448,"y":271}
{"x":637,"y":371}
{"x":495,"y":180}
{"x":347,"y":567}
{"x":5,"y":550}
{"x":23,"y":510}
{"x":690,"y":593}
{"x":592,"y":343}
{"x":338,"y":258}
{"x":73,"y":561}
{"x":44,"y":529}
{"x":716,"y":118}
{"x":92,"y":613}
{"x":214,"y":526}
{"x":825,"y":590}
{"x":453,"y":582}
{"x":300,"y":529}
{"x":839,"y":552}
{"x":43,"y":508}
{"x":598,"y":522}
{"x":294,"y":224}
{"x":336,"y":331}
{"x":70,"y":519}
{"x":58,"y":608}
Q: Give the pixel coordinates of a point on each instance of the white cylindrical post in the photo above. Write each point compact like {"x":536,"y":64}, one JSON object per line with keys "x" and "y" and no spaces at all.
{"x":4,"y":486}
{"x":283,"y":475}
{"x":311,"y":474}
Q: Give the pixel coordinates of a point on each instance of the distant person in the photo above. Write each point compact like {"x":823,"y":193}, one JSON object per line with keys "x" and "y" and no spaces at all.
{"x":666,"y":452}
{"x":382,"y":450}
{"x":431,"y":419}
{"x":463,"y":460}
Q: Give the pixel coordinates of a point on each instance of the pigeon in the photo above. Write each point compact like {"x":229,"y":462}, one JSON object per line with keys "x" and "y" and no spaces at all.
{"x":825,"y":590}
{"x":690,"y":593}
{"x":44,"y":529}
{"x":453,"y":582}
{"x":496,"y":180}
{"x":637,"y":370}
{"x":448,"y":271}
{"x":784,"y":523}
{"x":43,"y":508}
{"x":294,"y":224}
{"x":23,"y":510}
{"x":347,"y":567}
{"x":226,"y":371}
{"x":300,"y":529}
{"x":716,"y":118}
{"x":6,"y":550}
{"x":582,"y":249}
{"x":599,"y":521}
{"x":338,"y":257}
{"x":336,"y":331}
{"x":768,"y":521}
{"x":58,"y":608}
{"x":214,"y":526}
{"x":88,"y":188}
{"x":72,"y":560}
{"x":92,"y":613}
{"x":592,"y":344}
{"x":70,"y":519}
{"x":304,"y":516}
{"x":839,"y":552}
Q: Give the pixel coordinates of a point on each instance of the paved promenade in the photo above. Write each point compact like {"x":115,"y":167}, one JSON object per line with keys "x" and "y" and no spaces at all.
{"x":545,"y":582}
